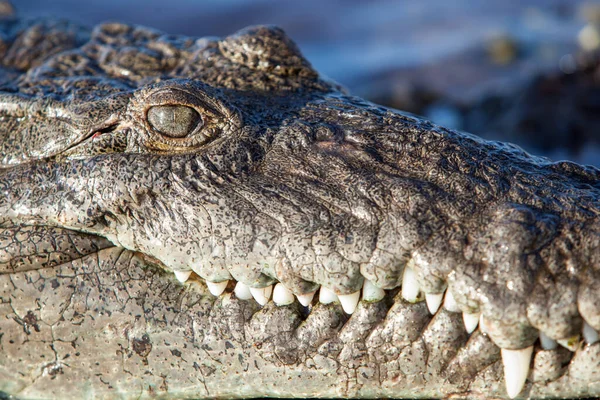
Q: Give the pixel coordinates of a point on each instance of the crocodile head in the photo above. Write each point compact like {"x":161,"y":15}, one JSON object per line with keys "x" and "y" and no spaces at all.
{"x":314,"y":235}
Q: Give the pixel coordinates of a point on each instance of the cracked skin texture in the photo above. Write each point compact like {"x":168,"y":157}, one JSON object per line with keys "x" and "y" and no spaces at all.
{"x":282,"y":176}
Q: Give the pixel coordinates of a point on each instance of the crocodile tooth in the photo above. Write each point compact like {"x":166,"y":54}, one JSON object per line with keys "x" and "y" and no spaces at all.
{"x":306,"y":299}
{"x":349,"y":301}
{"x":482,"y":325}
{"x":262,"y":295}
{"x":182,"y":276}
{"x":282,"y":296}
{"x":449,"y":302}
{"x":590,"y":335}
{"x":471,"y":321}
{"x":433,"y":300}
{"x":216,"y":288}
{"x":327,"y":296}
{"x":242,"y":291}
{"x":571,"y":343}
{"x":547,"y":342}
{"x":516,"y":368}
{"x":410,"y":286}
{"x":370,"y":292}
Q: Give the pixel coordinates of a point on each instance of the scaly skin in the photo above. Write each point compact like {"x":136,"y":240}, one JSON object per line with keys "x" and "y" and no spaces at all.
{"x":277,"y":176}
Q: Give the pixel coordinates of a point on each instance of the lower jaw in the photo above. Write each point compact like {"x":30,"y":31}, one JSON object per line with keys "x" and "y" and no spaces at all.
{"x":119,"y":328}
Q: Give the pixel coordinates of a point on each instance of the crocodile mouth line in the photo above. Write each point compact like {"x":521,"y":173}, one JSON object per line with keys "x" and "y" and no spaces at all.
{"x":518,"y":364}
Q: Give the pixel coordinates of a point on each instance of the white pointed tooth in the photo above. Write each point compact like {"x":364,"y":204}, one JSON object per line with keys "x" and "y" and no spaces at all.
{"x":371,"y":292}
{"x":262,"y":295}
{"x":516,"y":368}
{"x":471,"y":321}
{"x":182,"y":276}
{"x":327,"y":296}
{"x":571,"y":343}
{"x":349,"y":301}
{"x":242,"y":291}
{"x":410,"y":286}
{"x":434,"y":300}
{"x":216,"y":288}
{"x":282,"y":296}
{"x":449,"y":302}
{"x":482,"y":325}
{"x":306,"y":299}
{"x":590,"y":335}
{"x":547,"y":342}
{"x":268,"y":291}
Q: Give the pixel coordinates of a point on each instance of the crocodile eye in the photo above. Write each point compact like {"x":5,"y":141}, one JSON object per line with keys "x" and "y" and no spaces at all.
{"x":174,"y":121}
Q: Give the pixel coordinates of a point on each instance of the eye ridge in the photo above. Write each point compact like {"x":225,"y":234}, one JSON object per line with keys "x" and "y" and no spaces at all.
{"x":174,"y":120}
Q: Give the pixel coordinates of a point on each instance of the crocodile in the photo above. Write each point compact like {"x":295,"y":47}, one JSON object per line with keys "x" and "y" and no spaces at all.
{"x":209,"y":217}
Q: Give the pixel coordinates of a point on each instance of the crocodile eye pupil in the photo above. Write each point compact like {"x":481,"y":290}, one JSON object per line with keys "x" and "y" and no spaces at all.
{"x":174,"y":121}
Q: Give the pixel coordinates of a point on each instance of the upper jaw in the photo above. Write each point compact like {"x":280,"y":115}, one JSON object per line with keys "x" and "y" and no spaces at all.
{"x":300,"y":228}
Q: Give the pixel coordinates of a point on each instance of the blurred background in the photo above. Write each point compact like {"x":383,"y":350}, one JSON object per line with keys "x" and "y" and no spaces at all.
{"x":525,"y":71}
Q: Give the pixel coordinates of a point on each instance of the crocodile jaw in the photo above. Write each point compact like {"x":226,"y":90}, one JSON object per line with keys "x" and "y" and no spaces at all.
{"x":161,"y":338}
